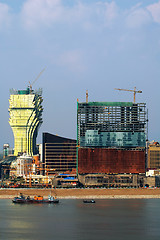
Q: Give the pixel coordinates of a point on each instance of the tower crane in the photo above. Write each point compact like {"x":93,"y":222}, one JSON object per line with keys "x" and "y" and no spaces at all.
{"x":31,"y":84}
{"x":134,"y":92}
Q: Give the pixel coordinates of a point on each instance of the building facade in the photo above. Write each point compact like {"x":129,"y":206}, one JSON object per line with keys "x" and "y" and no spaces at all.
{"x":111,"y":137}
{"x":25,"y":119}
{"x":58,"y":154}
{"x":22,"y":166}
{"x":7,"y":151}
{"x":154,"y":156}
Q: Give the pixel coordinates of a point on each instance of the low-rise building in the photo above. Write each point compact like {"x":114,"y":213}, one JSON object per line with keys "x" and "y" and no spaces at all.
{"x":112,"y":180}
{"x":154,"y":156}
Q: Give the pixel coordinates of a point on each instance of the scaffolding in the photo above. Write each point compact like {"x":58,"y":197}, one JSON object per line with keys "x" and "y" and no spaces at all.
{"x":25,"y":119}
{"x":111,"y":124}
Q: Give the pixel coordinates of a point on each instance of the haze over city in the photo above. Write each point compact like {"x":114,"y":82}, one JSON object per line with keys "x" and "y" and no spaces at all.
{"x":93,"y":45}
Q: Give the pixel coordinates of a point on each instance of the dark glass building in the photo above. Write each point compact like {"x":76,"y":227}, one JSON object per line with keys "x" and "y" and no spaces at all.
{"x":58,"y":154}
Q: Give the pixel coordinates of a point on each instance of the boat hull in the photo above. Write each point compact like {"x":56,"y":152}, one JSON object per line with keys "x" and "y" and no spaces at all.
{"x":89,"y":201}
{"x":33,"y":201}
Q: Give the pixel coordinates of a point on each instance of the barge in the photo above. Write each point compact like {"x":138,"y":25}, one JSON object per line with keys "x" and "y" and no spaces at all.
{"x":36,"y":199}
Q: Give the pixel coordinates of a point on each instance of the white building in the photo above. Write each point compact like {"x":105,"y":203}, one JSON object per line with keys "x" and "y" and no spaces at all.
{"x":24,"y":165}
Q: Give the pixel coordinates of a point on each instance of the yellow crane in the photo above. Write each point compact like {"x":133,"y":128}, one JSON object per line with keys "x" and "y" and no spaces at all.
{"x":31,"y":84}
{"x":134,"y":92}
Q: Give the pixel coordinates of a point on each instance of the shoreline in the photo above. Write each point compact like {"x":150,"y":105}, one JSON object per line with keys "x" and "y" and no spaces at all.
{"x":84,"y":193}
{"x":98,"y":197}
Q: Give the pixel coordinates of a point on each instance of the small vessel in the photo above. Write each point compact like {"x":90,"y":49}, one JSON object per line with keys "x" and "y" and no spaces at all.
{"x":20,"y":199}
{"x":35,"y":199}
{"x":88,"y":201}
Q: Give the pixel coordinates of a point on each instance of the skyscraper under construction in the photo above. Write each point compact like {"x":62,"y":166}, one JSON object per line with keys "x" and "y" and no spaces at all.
{"x":25,"y":119}
{"x":111,"y":137}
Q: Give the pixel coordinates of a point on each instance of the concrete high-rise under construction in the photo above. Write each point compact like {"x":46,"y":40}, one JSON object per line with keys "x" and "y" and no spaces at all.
{"x":25,"y":119}
{"x":111,"y":137}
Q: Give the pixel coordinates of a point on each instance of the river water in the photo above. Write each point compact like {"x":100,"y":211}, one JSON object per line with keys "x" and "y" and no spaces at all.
{"x":112,"y":219}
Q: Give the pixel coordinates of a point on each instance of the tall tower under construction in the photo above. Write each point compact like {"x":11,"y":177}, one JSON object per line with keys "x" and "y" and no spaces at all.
{"x":111,"y":137}
{"x":25,"y":119}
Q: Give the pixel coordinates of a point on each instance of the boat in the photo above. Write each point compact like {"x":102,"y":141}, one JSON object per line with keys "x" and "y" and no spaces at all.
{"x":36,"y":199}
{"x":88,"y":201}
{"x":20,"y":199}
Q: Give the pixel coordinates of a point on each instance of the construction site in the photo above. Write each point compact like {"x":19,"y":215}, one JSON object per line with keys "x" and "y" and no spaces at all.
{"x":25,"y":109}
{"x":110,"y":149}
{"x":25,"y":119}
{"x":111,"y":139}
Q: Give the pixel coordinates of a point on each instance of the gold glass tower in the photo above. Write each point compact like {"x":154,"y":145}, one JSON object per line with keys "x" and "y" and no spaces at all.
{"x":25,"y":119}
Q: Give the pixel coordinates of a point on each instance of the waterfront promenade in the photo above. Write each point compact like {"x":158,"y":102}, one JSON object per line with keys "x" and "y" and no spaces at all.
{"x":84,"y":193}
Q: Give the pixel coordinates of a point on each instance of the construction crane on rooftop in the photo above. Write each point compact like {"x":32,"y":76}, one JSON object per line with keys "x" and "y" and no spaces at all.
{"x":31,"y":84}
{"x":134,"y":92}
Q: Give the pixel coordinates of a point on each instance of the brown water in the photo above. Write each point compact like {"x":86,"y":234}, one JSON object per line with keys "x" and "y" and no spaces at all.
{"x":72,"y":219}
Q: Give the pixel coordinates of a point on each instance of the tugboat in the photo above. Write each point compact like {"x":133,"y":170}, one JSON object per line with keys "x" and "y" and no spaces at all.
{"x":88,"y":201}
{"x":51,"y":199}
{"x":36,"y":199}
{"x":20,"y":199}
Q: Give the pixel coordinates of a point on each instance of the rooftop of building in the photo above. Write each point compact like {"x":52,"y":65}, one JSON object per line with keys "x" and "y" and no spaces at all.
{"x":51,"y":138}
{"x":27,"y":91}
{"x":114,"y":104}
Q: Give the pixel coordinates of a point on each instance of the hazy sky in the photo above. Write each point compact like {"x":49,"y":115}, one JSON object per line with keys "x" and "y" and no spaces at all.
{"x":97,"y":45}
